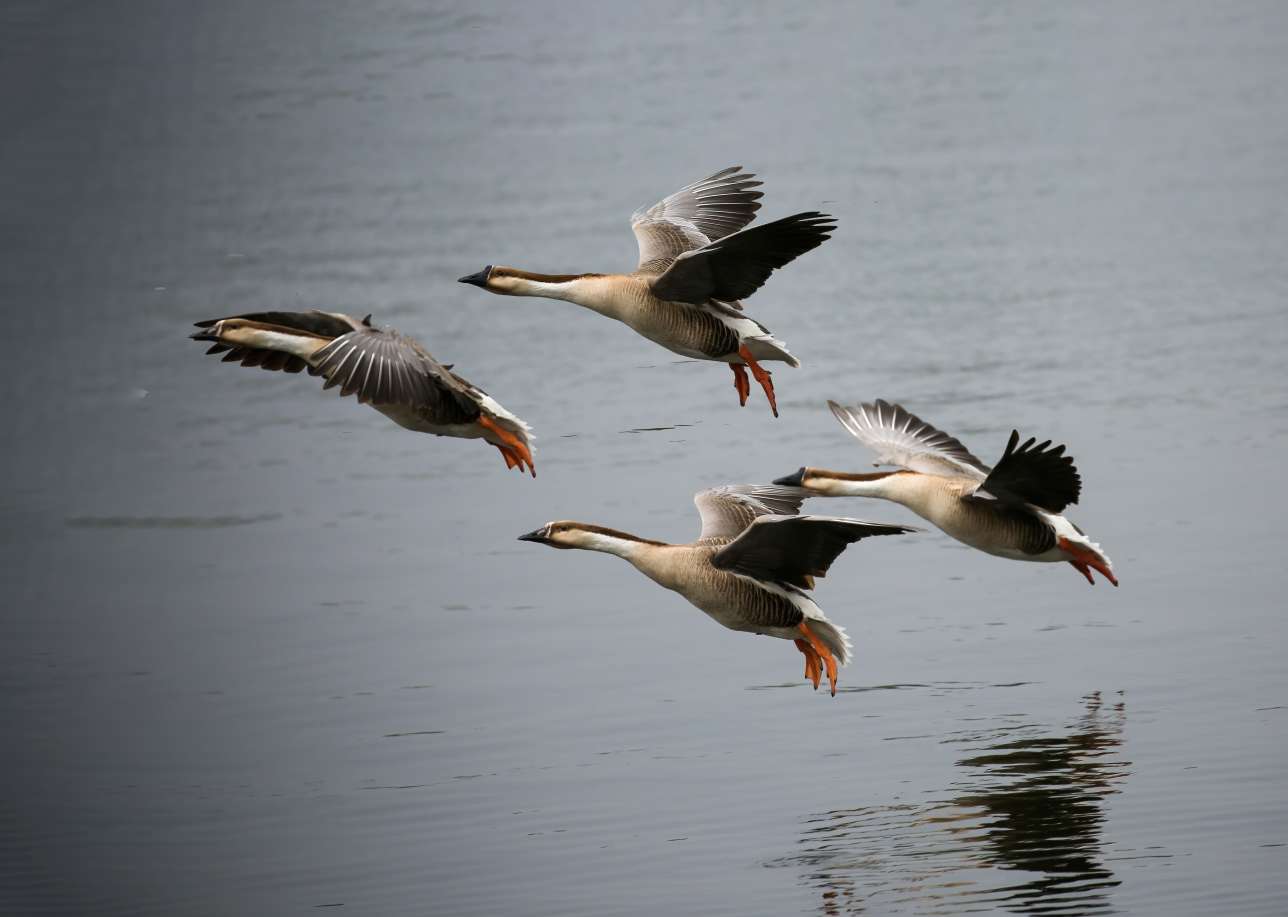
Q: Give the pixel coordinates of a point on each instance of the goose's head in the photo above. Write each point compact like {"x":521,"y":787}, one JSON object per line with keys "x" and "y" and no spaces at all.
{"x":563,"y":535}
{"x":498,"y":279}
{"x":479,"y":279}
{"x":233,"y":331}
{"x":587,"y":537}
{"x":811,"y":479}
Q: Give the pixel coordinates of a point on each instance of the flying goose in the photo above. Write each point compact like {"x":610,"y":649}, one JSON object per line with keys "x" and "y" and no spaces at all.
{"x":392,"y":373}
{"x":750,"y":567}
{"x":696,"y":264}
{"x":1012,"y":510}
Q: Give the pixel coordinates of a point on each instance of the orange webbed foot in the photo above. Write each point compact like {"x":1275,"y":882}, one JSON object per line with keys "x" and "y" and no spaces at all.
{"x":510,"y":460}
{"x":513,"y":447}
{"x":813,"y":665}
{"x":1083,"y":557}
{"x":741,"y":384}
{"x":761,"y":375}
{"x":823,"y":652}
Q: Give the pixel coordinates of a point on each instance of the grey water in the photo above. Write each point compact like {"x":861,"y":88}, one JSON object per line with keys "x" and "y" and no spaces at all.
{"x":263,"y":652}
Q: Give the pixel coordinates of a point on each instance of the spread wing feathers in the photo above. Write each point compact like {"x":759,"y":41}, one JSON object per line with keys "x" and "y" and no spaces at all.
{"x":264,"y":359}
{"x":728,"y":510}
{"x":1036,"y":474}
{"x":702,"y":212}
{"x":735,"y":267}
{"x":384,"y":368}
{"x":794,"y":549}
{"x":901,"y":438}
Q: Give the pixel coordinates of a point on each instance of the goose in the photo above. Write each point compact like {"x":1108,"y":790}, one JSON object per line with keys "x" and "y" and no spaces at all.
{"x":392,"y":373}
{"x":696,"y":264}
{"x":1013,"y":510}
{"x":750,"y":568}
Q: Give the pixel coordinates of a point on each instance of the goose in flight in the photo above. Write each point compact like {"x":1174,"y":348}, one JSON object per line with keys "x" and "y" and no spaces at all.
{"x":696,"y":264}
{"x":751,"y":567}
{"x":1011,"y":510}
{"x":392,"y":373}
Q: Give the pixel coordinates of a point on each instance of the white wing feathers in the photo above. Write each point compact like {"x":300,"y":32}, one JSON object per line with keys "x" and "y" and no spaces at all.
{"x":727,"y":510}
{"x":900,"y":438}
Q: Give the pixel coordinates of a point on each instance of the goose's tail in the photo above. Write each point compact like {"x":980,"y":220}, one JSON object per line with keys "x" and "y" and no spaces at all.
{"x":833,"y":637}
{"x":767,"y":347}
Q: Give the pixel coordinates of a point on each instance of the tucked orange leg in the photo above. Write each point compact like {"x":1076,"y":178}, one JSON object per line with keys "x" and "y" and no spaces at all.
{"x":740,"y":383}
{"x":1083,"y":569}
{"x":510,"y":460}
{"x":813,"y":665}
{"x":514,"y":445}
{"x":824,"y":653}
{"x":1083,"y":557}
{"x":762,"y":376}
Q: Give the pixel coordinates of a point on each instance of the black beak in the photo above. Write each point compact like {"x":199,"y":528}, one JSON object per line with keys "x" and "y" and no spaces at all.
{"x":479,"y":279}
{"x":539,"y":536}
{"x":792,"y":480}
{"x":204,"y":335}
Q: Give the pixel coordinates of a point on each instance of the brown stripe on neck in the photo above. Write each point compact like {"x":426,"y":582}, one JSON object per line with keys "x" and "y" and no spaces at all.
{"x":614,"y":533}
{"x":539,"y":278}
{"x":847,"y":476}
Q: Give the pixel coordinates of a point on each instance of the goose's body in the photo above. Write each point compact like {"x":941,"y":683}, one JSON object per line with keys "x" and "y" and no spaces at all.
{"x":1013,"y":510}
{"x":696,"y":264}
{"x":392,"y":373}
{"x":751,"y":567}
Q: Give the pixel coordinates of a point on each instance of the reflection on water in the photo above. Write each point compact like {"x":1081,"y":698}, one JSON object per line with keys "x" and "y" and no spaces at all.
{"x":1022,"y":829}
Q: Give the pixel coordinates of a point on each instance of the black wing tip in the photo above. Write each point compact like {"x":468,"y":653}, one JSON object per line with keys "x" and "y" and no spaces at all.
{"x":206,"y":324}
{"x":811,"y":220}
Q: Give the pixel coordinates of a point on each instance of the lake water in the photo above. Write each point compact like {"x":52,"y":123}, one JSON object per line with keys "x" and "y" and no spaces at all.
{"x":264,"y":653}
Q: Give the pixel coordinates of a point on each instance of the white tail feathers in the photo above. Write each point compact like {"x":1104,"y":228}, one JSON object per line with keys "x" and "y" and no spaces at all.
{"x":767,"y":347}
{"x":834,"y":637}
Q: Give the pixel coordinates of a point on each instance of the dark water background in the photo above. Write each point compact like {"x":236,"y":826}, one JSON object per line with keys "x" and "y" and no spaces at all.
{"x":263,"y":652}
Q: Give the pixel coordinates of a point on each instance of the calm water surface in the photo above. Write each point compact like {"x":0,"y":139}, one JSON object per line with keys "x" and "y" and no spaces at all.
{"x":265,"y":653}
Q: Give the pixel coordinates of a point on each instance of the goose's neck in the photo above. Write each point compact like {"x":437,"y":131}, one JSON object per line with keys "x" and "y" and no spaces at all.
{"x":884,"y":485}
{"x":576,"y":288}
{"x":610,"y":541}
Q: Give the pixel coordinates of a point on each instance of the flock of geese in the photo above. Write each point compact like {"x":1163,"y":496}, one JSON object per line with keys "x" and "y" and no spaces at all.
{"x":755,"y":559}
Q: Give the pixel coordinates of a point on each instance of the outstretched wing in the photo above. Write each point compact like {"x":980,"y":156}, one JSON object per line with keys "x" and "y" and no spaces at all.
{"x":695,"y":215}
{"x":315,"y":324}
{"x":1036,"y":474}
{"x":903,"y":439}
{"x":794,"y":549}
{"x":728,"y":510}
{"x":384,"y":368}
{"x":735,"y":267}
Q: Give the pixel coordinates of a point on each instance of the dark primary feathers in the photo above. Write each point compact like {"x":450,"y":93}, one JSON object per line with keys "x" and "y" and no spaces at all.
{"x":1034,"y":474}
{"x":794,"y":549}
{"x":699,"y":213}
{"x":385,"y":368}
{"x":736,"y":266}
